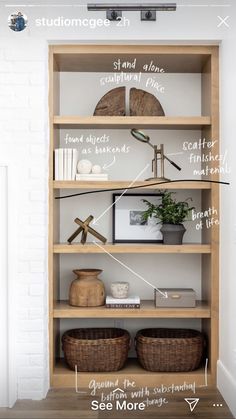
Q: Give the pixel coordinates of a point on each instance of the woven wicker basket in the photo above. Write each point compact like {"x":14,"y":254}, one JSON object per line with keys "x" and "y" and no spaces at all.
{"x":169,"y":349}
{"x":96,"y":349}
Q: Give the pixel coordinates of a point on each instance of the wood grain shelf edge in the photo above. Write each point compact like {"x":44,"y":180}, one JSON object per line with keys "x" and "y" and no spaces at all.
{"x":162,"y":122}
{"x":120,"y":184}
{"x":64,"y":377}
{"x":62,"y":309}
{"x":132,"y":248}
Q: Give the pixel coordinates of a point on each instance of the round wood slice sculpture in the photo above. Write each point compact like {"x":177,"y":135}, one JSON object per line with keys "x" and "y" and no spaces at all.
{"x":144,"y":104}
{"x":112,"y":103}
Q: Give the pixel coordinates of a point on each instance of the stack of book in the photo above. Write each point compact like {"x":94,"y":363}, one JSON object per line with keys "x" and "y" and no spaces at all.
{"x":92,"y":176}
{"x":66,"y":160}
{"x":130,"y":302}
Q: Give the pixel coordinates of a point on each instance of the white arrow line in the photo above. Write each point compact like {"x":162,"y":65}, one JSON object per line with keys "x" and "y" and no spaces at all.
{"x":131,"y":184}
{"x":206,"y":365}
{"x":174,"y":154}
{"x":206,"y":383}
{"x":164,"y":294}
{"x":106,"y":166}
{"x":76,"y":382}
{"x":118,"y":389}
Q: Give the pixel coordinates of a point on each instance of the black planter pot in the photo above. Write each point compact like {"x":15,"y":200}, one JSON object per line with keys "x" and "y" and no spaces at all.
{"x":173,"y":233}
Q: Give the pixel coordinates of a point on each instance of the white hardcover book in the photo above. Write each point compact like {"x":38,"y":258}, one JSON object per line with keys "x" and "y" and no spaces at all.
{"x":56,"y":164}
{"x":60,"y":164}
{"x":100,"y":176}
{"x":74,"y":163}
{"x":69,"y":164}
{"x":132,"y":299}
{"x":65,"y":159}
{"x":93,"y":175}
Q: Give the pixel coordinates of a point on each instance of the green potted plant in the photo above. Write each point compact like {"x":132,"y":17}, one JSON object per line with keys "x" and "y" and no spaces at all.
{"x":171,"y":214}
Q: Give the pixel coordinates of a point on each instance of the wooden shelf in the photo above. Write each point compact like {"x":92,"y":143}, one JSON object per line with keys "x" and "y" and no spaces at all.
{"x":147,"y":310}
{"x":131,"y":248}
{"x":117,"y":184}
{"x":126,"y":122}
{"x":100,"y":58}
{"x":64,"y":377}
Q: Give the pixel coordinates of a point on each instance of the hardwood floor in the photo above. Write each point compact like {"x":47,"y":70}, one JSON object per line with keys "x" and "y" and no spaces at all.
{"x":67,"y":404}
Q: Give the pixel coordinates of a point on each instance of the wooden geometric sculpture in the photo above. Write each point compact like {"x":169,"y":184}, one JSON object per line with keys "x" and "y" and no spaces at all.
{"x":112,"y":103}
{"x":143,"y":103}
{"x":85,"y":228}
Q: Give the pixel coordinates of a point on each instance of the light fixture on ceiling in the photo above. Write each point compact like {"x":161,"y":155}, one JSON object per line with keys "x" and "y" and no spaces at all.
{"x":148,"y":11}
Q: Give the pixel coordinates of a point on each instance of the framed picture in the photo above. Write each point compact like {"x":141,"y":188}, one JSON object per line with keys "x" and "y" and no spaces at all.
{"x":128,"y":224}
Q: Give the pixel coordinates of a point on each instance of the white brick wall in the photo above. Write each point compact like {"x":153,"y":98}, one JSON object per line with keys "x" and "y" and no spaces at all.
{"x":24,"y":139}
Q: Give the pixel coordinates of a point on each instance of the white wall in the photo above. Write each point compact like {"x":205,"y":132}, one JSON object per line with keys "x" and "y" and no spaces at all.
{"x":3,"y":286}
{"x":24,"y":145}
{"x":227,"y":363}
{"x":24,"y":137}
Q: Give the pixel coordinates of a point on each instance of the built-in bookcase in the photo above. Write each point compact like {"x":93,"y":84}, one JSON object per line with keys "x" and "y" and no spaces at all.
{"x":187,"y":59}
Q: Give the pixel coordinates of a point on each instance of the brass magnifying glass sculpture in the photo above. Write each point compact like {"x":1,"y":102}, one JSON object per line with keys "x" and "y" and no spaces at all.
{"x":158,"y":156}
